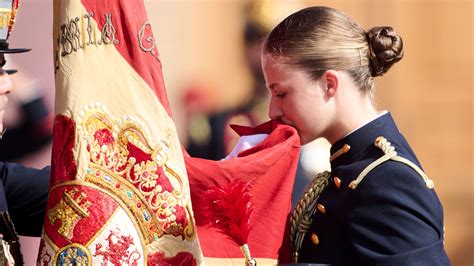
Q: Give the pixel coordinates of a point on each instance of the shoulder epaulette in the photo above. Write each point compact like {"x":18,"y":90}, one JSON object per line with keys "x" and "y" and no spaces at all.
{"x":389,"y":154}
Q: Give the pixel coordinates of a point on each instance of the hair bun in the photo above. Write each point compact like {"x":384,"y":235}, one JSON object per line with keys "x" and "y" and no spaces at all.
{"x":385,"y":49}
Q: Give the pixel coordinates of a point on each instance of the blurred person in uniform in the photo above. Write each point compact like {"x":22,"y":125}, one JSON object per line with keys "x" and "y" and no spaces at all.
{"x":377,"y":206}
{"x":210,"y":136}
{"x":29,"y":122}
{"x":23,"y":191}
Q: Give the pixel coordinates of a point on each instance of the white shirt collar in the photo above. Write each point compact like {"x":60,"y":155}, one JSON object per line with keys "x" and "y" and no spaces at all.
{"x":367,"y":122}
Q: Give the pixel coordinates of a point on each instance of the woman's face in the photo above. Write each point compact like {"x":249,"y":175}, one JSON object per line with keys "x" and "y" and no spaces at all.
{"x":296,"y":99}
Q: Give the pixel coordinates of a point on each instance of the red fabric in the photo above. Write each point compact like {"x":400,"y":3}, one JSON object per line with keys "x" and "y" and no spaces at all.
{"x":63,"y":164}
{"x":270,"y":167}
{"x":229,"y":208}
{"x":127,"y":28}
{"x":79,"y":207}
{"x":265,"y":128}
{"x":181,"y":259}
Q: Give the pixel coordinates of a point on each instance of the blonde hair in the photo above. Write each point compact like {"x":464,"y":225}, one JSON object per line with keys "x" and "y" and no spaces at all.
{"x":317,"y":39}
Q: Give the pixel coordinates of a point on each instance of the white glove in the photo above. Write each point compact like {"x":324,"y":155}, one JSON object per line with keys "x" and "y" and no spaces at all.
{"x":245,"y":143}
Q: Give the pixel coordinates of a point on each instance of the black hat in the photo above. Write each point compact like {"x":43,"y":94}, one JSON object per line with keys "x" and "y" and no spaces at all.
{"x":8,"y":9}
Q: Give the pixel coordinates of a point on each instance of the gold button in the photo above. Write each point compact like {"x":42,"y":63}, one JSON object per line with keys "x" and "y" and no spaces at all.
{"x":315,"y":239}
{"x":337,"y":182}
{"x":321,"y":208}
{"x":346,"y":148}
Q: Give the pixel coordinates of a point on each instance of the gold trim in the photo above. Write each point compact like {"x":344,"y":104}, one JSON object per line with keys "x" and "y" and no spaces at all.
{"x":345,"y":149}
{"x":174,"y":174}
{"x":428,"y":182}
{"x":190,"y":229}
{"x":5,"y":16}
{"x":112,"y":160}
{"x":321,"y":208}
{"x":389,"y":154}
{"x":337,"y":182}
{"x":111,"y":188}
{"x":75,"y":205}
{"x":302,"y":215}
{"x":46,"y":238}
{"x":89,"y":257}
{"x":69,"y":211}
{"x":121,"y":204}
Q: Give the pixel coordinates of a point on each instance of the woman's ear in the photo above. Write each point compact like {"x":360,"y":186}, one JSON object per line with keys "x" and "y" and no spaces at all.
{"x":331,"y":82}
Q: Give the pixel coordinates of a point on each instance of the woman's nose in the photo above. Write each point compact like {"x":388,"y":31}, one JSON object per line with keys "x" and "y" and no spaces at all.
{"x":6,"y":84}
{"x":274,"y":110}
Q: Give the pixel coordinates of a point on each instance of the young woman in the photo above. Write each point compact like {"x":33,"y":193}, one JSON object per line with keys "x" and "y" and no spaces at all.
{"x":377,"y":206}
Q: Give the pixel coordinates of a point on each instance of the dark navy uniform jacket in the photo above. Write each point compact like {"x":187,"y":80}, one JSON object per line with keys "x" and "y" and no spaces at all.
{"x":24,"y":194}
{"x":391,"y":218}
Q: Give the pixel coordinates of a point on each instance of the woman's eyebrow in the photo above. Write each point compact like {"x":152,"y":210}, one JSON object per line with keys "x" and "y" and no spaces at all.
{"x":273,"y":85}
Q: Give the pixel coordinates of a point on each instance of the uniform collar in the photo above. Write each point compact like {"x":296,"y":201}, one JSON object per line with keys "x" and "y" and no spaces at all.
{"x":361,"y":139}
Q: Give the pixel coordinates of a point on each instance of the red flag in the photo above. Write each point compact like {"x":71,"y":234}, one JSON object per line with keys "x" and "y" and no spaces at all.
{"x":119,"y":191}
{"x":119,"y":187}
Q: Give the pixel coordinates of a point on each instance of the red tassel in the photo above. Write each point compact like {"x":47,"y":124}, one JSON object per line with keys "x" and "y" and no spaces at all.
{"x":228,"y":208}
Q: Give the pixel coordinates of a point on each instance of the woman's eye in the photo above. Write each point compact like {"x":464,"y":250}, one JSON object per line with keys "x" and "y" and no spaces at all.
{"x":280,"y":95}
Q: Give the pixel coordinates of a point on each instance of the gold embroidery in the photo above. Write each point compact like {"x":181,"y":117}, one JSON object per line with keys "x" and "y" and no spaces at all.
{"x":302,"y":215}
{"x":128,"y":195}
{"x":5,"y":15}
{"x":70,"y":210}
{"x":124,"y":205}
{"x":147,"y":184}
{"x":73,"y":254}
{"x":146,"y":171}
